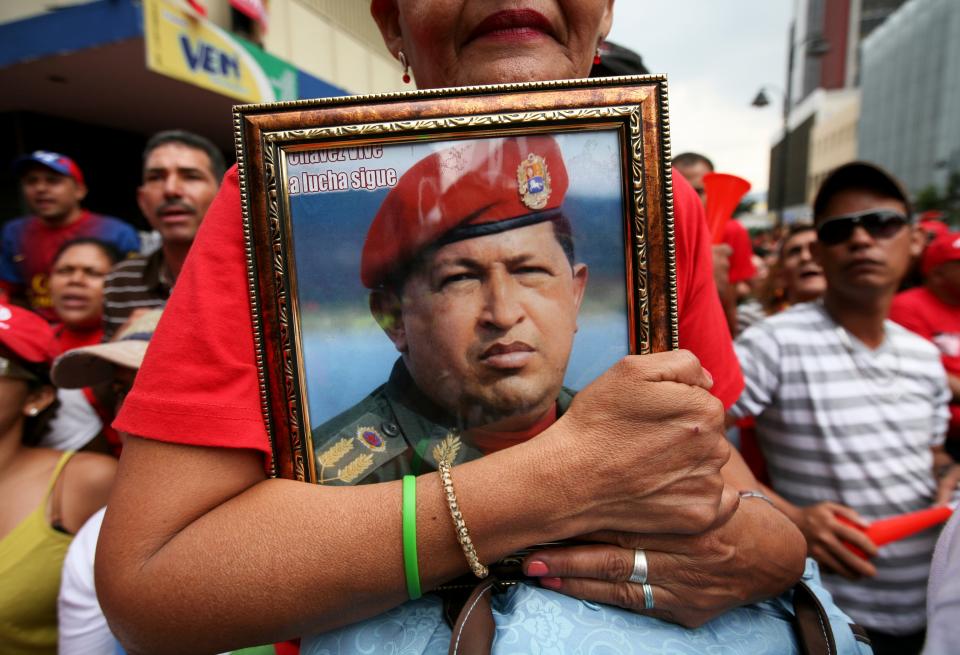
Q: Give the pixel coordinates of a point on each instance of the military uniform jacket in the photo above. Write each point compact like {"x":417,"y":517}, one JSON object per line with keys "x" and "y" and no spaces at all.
{"x":394,"y":431}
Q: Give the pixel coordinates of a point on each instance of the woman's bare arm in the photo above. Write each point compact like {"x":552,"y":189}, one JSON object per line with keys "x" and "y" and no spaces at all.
{"x":200,"y":552}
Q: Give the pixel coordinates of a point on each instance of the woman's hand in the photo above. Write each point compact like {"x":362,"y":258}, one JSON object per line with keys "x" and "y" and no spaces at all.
{"x":694,"y":577}
{"x":641,"y":449}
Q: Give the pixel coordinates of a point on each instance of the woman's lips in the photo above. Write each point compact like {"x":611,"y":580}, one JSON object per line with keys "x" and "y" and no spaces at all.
{"x":507,"y":356}
{"x":513,"y":25}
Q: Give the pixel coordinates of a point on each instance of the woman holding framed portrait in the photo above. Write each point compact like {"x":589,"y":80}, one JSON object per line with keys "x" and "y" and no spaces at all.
{"x":202,"y":544}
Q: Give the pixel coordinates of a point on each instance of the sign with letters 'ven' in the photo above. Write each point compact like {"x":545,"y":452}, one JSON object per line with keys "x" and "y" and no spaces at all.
{"x":184,"y":46}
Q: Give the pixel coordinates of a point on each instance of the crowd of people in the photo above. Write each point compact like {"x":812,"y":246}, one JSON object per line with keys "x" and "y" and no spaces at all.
{"x":828,"y":352}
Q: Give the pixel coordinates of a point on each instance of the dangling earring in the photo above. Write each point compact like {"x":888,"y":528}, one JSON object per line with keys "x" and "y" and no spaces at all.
{"x":596,"y":57}
{"x":406,"y":67}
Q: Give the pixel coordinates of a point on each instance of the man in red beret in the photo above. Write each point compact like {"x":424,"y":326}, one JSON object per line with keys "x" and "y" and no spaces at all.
{"x":472,"y":275}
{"x":933,"y":312}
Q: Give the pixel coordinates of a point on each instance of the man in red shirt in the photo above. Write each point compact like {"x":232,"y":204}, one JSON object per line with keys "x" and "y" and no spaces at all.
{"x":53,"y":188}
{"x":933,"y":312}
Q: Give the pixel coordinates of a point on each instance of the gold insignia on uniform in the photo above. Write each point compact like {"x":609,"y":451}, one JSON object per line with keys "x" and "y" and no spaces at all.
{"x":355,"y":468}
{"x":447,"y":449}
{"x":334,"y":453}
{"x":370,"y":438}
{"x":533,"y":182}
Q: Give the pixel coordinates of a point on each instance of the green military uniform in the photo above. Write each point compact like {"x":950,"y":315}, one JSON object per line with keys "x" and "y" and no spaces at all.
{"x":394,"y":431}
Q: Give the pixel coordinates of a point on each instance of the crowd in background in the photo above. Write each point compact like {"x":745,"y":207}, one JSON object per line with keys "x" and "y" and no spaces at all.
{"x":81,"y":297}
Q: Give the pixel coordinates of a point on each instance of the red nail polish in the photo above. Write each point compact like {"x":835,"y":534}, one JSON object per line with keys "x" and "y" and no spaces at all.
{"x":551,"y":583}
{"x":537,"y":568}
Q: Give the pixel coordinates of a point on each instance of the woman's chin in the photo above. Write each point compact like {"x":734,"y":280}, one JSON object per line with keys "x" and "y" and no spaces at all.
{"x":505,"y":70}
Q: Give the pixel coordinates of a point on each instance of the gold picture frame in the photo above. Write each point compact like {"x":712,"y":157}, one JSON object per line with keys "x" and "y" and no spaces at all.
{"x":313,"y":172}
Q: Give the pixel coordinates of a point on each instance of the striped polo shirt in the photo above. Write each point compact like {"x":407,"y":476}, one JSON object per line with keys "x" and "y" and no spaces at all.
{"x":138,"y":282}
{"x":842,"y":422}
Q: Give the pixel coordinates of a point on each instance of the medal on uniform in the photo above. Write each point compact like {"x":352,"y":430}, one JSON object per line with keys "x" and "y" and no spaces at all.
{"x":533,"y":180}
{"x":369,"y":437}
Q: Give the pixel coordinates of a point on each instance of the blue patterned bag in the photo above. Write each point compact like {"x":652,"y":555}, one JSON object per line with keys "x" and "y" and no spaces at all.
{"x":531,"y":620}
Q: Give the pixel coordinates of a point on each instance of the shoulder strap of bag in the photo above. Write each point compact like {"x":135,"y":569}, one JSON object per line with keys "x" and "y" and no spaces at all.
{"x":810,"y":622}
{"x":474,"y":629}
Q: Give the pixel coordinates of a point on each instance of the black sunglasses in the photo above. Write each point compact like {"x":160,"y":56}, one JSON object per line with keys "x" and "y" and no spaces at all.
{"x":879,"y":224}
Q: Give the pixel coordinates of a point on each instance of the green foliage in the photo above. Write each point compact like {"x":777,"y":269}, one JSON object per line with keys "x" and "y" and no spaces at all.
{"x":947,"y":201}
{"x":928,"y":198}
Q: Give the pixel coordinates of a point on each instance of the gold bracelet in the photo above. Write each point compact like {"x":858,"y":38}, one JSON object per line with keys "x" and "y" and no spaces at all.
{"x":459,"y":526}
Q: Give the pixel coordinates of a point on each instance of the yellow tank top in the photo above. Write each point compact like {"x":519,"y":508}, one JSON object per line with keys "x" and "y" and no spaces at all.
{"x":31,"y":557}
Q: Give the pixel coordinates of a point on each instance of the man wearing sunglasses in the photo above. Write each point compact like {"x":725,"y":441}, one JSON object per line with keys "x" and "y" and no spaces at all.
{"x":851,"y":408}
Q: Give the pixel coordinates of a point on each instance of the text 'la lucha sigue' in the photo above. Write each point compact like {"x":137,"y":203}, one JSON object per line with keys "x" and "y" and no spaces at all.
{"x":368,"y":179}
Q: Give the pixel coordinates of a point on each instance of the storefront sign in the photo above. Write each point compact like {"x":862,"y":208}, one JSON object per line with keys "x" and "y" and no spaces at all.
{"x":184,"y":46}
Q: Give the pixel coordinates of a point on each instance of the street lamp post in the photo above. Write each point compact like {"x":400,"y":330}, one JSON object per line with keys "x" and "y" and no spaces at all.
{"x":818,"y":48}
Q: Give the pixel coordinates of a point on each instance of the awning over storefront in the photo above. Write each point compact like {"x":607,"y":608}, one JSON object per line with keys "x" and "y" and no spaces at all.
{"x":141,"y":67}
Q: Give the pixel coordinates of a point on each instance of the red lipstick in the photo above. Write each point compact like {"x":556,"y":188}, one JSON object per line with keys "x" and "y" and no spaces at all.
{"x":513,"y":25}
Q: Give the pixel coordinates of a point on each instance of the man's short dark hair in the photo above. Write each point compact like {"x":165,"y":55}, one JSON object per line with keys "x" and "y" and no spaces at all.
{"x":685,"y":159}
{"x":217,"y":164}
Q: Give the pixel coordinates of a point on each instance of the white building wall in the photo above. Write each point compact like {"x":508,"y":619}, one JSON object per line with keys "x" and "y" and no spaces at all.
{"x":335,"y":40}
{"x":833,"y":140}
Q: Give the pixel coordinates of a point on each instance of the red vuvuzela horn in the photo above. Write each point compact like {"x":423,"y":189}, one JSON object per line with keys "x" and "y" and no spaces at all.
{"x":724,"y":192}
{"x":898,"y":527}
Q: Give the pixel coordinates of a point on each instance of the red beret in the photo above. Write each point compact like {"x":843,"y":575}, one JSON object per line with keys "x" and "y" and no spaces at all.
{"x":945,"y":248}
{"x":469,"y":190}
{"x":26,"y":336}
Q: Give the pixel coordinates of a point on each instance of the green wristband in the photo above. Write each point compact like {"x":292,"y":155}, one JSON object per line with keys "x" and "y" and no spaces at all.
{"x":410,"y":567}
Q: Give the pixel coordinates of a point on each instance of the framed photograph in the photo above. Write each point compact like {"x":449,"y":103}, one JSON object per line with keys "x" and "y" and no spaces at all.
{"x":436,"y":273}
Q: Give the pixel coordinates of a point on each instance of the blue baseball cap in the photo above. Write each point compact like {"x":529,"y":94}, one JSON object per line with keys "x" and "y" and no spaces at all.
{"x":53,"y":160}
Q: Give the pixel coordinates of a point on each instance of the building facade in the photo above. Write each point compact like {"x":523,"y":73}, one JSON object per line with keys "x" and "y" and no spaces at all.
{"x":821,"y":133}
{"x":95,"y":78}
{"x":910,"y":120}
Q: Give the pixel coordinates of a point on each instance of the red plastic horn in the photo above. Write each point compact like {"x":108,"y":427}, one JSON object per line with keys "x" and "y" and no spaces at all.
{"x":898,"y":527}
{"x":724,"y":193}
